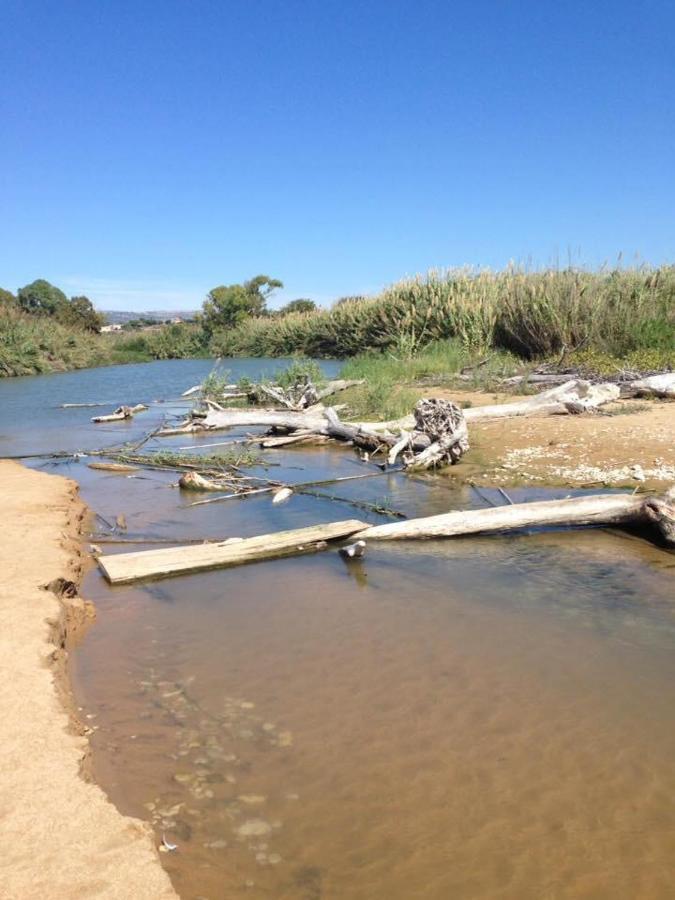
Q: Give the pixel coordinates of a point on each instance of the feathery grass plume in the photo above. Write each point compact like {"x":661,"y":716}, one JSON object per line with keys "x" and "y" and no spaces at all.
{"x":531,"y":314}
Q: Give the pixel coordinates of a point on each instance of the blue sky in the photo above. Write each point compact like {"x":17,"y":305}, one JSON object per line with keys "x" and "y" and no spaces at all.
{"x":152,"y":150}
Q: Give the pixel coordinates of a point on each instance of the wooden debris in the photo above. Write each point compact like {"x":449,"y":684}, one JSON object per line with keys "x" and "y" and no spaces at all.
{"x":301,"y":395}
{"x":124,"y":568}
{"x":113,"y":467}
{"x":80,"y":405}
{"x":121,"y":413}
{"x":193,"y":481}
{"x":353,"y":551}
{"x":442,"y":421}
{"x":571,"y":397}
{"x":282,"y":494}
{"x":662,"y":386}
{"x":599,"y":510}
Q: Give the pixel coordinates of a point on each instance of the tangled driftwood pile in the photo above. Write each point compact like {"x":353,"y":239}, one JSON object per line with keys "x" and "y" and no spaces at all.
{"x":434,"y":434}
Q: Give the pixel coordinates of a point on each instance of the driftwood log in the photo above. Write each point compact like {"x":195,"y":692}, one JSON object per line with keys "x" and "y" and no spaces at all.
{"x":601,"y":510}
{"x":121,"y":413}
{"x":598,"y":510}
{"x":301,"y":395}
{"x":572,"y":397}
{"x":662,"y":386}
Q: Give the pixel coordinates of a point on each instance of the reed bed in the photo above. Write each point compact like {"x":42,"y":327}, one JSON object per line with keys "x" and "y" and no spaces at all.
{"x":531,"y":314}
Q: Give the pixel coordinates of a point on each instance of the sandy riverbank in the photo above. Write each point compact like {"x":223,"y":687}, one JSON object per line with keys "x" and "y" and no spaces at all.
{"x":625,"y":444}
{"x":60,"y":836}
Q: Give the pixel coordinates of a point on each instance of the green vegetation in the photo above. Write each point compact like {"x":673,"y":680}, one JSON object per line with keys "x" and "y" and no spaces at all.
{"x":237,"y":457}
{"x":40,"y":298}
{"x":300,"y":371}
{"x":230,"y":305}
{"x":392,"y":381}
{"x":531,"y":314}
{"x":34,"y":344}
{"x":605,"y":320}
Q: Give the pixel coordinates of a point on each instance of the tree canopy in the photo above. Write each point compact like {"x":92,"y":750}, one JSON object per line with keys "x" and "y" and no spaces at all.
{"x":301,"y":305}
{"x":229,"y":305}
{"x":41,"y":298}
{"x":7,"y":298}
{"x":80,"y":312}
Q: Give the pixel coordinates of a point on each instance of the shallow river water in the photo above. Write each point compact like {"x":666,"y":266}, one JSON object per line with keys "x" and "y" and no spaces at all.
{"x":480,"y":718}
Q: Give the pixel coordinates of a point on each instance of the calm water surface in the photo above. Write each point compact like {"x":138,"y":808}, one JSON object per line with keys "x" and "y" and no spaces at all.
{"x":477,"y":718}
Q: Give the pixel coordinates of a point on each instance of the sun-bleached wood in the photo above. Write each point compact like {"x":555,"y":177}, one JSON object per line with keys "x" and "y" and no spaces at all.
{"x":598,"y":510}
{"x":123,"y":568}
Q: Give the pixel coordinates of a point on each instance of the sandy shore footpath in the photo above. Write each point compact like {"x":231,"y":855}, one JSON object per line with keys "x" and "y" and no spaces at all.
{"x":59,"y":835}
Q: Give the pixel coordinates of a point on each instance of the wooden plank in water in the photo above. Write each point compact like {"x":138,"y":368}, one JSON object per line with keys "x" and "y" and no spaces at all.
{"x":123,"y":568}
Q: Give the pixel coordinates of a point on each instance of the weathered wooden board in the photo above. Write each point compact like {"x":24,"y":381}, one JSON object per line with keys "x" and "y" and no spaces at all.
{"x":124,"y":568}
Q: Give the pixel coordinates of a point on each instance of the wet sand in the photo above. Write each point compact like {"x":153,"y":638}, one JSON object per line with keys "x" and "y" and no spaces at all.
{"x":60,"y":836}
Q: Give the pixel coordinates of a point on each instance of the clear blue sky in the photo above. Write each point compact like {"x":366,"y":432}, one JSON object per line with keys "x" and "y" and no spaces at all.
{"x":152,"y":150}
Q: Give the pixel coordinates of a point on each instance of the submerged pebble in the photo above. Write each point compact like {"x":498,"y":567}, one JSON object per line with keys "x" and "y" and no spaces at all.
{"x":253,"y":828}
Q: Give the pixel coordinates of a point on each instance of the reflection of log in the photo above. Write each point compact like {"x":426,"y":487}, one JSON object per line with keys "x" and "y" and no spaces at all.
{"x":121,"y":413}
{"x":598,"y":510}
{"x":123,"y":568}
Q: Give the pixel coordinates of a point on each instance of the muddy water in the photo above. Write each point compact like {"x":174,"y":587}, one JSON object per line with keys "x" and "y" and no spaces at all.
{"x":462,"y":719}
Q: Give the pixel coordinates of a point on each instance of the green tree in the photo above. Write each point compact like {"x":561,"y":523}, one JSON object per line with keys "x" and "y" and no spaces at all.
{"x":300,"y":305}
{"x":229,"y":305}
{"x":41,"y":298}
{"x":80,"y":313}
{"x":7,"y":299}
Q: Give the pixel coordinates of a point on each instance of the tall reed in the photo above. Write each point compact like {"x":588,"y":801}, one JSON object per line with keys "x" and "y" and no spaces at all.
{"x":529,"y":313}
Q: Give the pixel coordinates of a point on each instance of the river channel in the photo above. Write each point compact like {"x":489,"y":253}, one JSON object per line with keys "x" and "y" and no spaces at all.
{"x":447,"y":720}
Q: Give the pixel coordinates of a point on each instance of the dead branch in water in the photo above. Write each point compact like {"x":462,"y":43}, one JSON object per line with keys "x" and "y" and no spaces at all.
{"x":121,"y":413}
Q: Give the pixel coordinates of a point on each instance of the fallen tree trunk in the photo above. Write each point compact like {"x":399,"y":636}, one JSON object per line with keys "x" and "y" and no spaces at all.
{"x":123,"y":568}
{"x":572,"y":397}
{"x":326,"y":424}
{"x":662,"y":386}
{"x":598,"y":510}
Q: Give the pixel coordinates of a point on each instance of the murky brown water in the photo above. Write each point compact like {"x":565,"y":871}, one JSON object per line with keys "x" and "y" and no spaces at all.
{"x":487,"y":718}
{"x":484,"y":718}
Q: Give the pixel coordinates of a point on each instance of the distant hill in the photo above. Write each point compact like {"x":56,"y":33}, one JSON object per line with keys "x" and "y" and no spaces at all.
{"x":119,"y":317}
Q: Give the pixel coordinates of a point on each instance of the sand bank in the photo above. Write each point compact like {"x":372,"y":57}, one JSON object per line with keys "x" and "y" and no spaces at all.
{"x":60,"y":836}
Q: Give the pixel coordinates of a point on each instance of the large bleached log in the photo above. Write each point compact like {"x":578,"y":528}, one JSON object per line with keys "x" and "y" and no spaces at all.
{"x":123,"y":568}
{"x":574,"y":396}
{"x":653,"y":386}
{"x":598,"y":510}
{"x":334,"y":387}
{"x":326,"y":423}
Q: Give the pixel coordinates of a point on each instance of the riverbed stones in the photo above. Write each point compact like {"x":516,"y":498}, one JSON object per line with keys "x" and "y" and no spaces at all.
{"x":253,"y":828}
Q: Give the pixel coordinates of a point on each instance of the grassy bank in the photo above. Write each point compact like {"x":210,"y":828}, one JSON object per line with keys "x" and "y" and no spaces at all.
{"x":31,"y":345}
{"x":531,"y":314}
